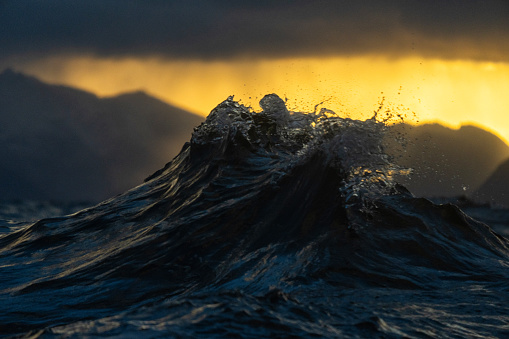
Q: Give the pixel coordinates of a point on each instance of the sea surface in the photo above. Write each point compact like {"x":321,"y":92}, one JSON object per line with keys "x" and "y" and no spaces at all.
{"x":269,"y":224}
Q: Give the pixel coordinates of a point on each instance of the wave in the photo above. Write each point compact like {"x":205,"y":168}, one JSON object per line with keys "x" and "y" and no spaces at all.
{"x":271,"y":223}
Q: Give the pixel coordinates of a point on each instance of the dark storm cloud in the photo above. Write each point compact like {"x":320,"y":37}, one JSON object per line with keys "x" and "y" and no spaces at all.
{"x":466,"y":29}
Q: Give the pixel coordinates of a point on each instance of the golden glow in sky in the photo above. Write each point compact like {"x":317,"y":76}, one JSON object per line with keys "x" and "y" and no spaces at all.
{"x":451,"y":92}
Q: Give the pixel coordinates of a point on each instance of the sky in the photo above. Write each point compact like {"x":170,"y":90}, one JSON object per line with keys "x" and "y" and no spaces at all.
{"x":432,"y":60}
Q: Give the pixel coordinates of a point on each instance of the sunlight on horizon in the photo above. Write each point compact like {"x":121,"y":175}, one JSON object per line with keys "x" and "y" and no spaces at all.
{"x":453,"y":93}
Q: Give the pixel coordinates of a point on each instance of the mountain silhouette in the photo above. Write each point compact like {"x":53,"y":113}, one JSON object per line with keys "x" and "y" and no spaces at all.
{"x":64,"y":144}
{"x":495,"y":190}
{"x":445,"y":162}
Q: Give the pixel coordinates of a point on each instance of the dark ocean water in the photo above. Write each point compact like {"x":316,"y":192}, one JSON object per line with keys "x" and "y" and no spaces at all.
{"x":266,"y":224}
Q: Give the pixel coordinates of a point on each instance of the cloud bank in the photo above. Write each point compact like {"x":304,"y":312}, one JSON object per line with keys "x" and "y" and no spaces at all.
{"x":212,"y":30}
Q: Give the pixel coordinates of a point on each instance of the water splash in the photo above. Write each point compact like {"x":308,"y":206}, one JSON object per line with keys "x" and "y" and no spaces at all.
{"x":353,"y":147}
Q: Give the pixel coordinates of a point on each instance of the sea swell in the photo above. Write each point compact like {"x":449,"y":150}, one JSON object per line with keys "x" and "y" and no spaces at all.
{"x":274,"y":223}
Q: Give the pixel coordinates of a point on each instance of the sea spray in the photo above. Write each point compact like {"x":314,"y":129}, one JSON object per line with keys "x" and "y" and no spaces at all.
{"x":352,"y":146}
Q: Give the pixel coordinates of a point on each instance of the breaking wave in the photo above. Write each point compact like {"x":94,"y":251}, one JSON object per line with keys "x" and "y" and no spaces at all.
{"x":274,"y":223}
